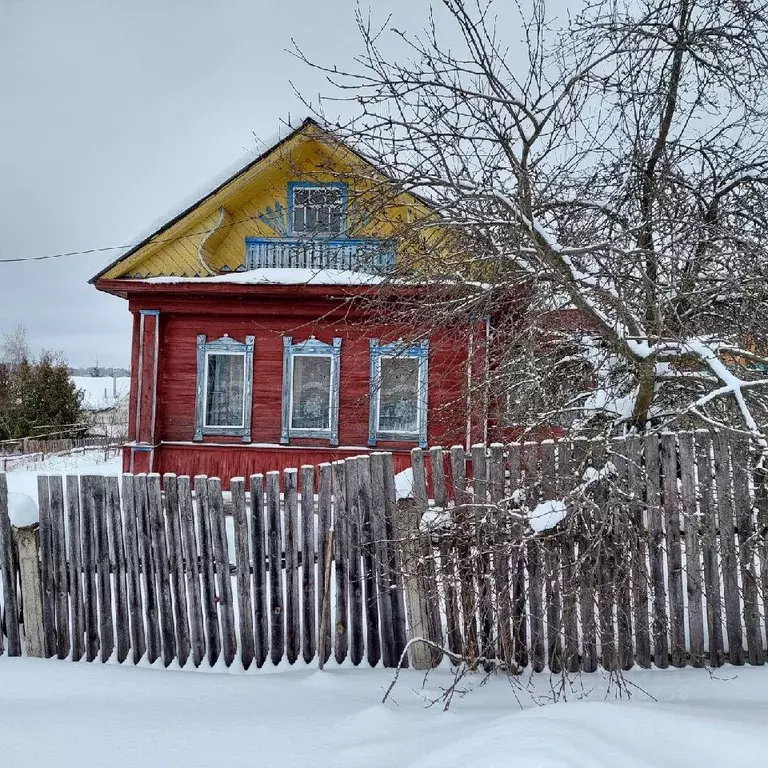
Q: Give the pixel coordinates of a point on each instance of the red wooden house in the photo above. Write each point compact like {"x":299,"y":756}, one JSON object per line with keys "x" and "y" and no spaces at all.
{"x":256,"y":342}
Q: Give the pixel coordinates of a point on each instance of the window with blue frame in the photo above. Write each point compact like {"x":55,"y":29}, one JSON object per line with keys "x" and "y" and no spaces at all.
{"x":398,"y":396}
{"x":224,"y":387}
{"x":311,"y":389}
{"x":316,"y":210}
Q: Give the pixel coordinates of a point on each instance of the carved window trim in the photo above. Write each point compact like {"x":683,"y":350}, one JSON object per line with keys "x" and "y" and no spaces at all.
{"x":310,"y":348}
{"x":401,"y":349}
{"x":224,"y":345}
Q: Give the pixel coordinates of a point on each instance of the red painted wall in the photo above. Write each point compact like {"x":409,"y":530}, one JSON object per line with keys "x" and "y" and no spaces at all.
{"x":269,"y":318}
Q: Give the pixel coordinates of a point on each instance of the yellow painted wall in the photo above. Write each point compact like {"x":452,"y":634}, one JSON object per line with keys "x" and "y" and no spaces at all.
{"x":308,"y":156}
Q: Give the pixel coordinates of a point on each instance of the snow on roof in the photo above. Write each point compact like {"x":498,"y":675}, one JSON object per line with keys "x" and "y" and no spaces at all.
{"x":277,"y":276}
{"x":102,"y":392}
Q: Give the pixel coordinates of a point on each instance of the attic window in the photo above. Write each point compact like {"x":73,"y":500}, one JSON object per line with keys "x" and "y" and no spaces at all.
{"x":317,"y":209}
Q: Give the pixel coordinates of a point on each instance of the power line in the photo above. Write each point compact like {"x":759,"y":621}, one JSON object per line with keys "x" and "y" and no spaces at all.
{"x":106,"y":249}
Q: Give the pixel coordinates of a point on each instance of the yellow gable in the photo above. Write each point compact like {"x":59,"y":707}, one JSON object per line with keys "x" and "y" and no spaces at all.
{"x":210,"y":237}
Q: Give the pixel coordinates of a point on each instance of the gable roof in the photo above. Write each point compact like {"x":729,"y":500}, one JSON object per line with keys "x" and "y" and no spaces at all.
{"x":307,"y":124}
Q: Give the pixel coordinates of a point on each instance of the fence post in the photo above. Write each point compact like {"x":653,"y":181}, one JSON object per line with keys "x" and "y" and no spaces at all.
{"x":416,"y":600}
{"x":7,"y":576}
{"x":27,"y":543}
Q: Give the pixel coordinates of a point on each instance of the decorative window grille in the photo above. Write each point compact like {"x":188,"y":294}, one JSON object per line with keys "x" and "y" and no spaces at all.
{"x":316,"y":209}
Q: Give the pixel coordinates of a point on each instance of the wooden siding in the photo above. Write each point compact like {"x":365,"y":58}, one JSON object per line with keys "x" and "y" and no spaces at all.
{"x":269,"y":318}
{"x":309,"y":156}
{"x":228,"y":461}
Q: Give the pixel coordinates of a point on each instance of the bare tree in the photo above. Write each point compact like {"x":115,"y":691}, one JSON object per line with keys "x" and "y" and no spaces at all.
{"x":14,"y":346}
{"x":613,"y":162}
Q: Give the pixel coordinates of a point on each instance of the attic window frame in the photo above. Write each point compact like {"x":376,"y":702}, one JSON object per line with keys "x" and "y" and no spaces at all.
{"x":309,"y":185}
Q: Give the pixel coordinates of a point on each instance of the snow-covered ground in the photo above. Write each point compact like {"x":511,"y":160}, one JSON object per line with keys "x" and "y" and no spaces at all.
{"x":22,"y":480}
{"x":100,"y":392}
{"x":55,"y":713}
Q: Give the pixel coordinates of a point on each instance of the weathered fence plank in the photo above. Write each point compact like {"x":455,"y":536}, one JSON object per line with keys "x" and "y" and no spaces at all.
{"x":728,"y":561}
{"x":551,"y":555}
{"x":639,"y":547}
{"x":660,"y":621}
{"x":324,"y":501}
{"x":103,"y":567}
{"x":131,"y":524}
{"x":292,"y":608}
{"x":341,"y":560}
{"x":417,"y":606}
{"x":28,"y":550}
{"x":223,"y":577}
{"x":709,"y":546}
{"x":275,"y":545}
{"x":677,"y":652}
{"x":446,"y":546}
{"x":88,"y":493}
{"x":160,"y":568}
{"x":517,"y":563}
{"x":243,"y":568}
{"x":115,"y":531}
{"x":176,"y":561}
{"x":692,"y":549}
{"x":378,"y":529}
{"x":571,"y":659}
{"x":532,"y":490}
{"x":48,"y":565}
{"x":483,"y":540}
{"x":207,"y":568}
{"x":308,"y":609}
{"x":356,"y":640}
{"x":325,"y":602}
{"x":586,"y":562}
{"x":191,"y":563}
{"x":623,"y":543}
{"x":427,"y":566}
{"x":746,"y":533}
{"x":760,"y":479}
{"x":76,"y":608}
{"x":605,"y":555}
{"x":258,"y":548}
{"x":463,"y":524}
{"x":395,"y":558}
{"x":61,"y":577}
{"x":372,"y":644}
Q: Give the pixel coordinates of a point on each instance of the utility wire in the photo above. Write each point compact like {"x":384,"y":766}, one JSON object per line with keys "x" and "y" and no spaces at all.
{"x":125,"y":247}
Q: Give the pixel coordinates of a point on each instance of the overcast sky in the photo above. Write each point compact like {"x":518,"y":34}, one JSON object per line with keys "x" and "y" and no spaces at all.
{"x":113,"y":111}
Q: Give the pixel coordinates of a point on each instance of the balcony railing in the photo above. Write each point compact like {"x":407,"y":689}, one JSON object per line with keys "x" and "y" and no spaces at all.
{"x":283,"y":252}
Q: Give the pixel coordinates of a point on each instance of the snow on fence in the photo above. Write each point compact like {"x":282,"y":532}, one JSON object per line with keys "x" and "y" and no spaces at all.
{"x":567,"y":556}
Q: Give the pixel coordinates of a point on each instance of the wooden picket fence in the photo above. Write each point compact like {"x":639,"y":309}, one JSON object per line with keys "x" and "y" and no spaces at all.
{"x":662,"y":558}
{"x":135,"y":571}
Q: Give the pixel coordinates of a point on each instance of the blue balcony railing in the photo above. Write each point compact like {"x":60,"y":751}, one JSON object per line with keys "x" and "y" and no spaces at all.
{"x":284,"y":252}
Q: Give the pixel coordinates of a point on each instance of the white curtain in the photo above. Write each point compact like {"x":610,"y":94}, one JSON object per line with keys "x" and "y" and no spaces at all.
{"x":225,"y":390}
{"x":399,"y":396}
{"x":311,"y":403}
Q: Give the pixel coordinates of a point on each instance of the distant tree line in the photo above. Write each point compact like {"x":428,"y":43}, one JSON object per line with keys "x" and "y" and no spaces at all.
{"x":37,"y":396}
